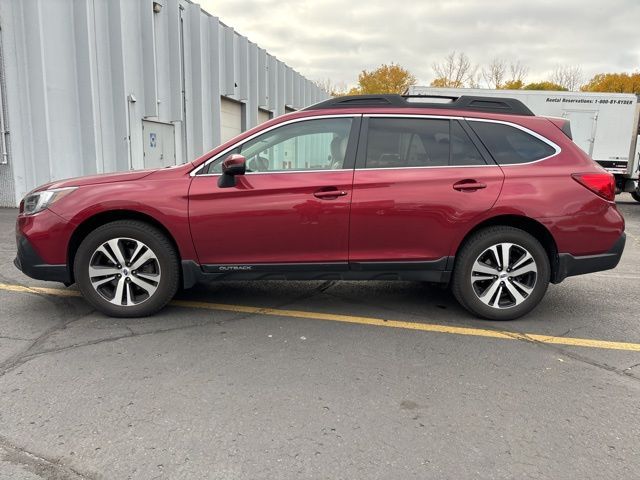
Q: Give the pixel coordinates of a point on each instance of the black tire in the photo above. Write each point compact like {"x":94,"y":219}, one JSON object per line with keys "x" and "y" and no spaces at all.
{"x":165,"y":257}
{"x":473,"y":248}
{"x":636,"y":195}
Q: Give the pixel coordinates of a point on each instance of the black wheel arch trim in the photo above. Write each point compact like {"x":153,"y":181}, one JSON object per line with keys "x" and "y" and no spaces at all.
{"x":569,"y":265}
{"x":31,"y":264}
{"x":89,"y":224}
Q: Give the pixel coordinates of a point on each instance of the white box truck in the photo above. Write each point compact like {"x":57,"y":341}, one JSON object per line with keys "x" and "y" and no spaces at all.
{"x":604,"y":125}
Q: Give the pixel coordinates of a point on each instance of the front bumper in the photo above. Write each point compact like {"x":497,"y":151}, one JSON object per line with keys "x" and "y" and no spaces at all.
{"x":29,"y":262}
{"x":568,"y":265}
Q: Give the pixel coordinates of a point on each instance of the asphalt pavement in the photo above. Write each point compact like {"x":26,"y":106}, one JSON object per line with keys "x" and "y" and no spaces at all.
{"x":315,"y":380}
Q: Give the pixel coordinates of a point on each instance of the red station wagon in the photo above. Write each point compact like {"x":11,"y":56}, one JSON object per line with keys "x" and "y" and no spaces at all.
{"x":474,"y":192}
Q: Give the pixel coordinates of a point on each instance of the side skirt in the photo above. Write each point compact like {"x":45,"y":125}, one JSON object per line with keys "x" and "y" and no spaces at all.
{"x":437,"y":271}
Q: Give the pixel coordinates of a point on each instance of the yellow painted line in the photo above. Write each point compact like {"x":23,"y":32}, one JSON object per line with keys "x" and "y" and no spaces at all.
{"x":58,"y":292}
{"x":377,"y":322}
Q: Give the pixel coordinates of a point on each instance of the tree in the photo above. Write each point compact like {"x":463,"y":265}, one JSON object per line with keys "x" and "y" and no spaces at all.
{"x":440,"y":83}
{"x":454,"y":71}
{"x":517,"y":73}
{"x":570,"y":77}
{"x":334,"y":89}
{"x":499,"y":75}
{"x":614,"y":83}
{"x":544,"y":86}
{"x":512,"y":85}
{"x":385,"y":79}
{"x":494,"y":73}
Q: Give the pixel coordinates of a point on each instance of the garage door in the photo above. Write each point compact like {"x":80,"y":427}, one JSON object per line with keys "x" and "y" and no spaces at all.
{"x":231,"y":113}
{"x":263,"y":116}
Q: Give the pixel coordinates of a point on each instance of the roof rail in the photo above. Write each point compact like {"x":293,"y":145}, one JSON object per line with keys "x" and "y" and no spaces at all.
{"x":505,"y":105}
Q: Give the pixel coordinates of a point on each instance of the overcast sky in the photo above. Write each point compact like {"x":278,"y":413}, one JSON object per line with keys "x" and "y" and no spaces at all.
{"x":336,"y":39}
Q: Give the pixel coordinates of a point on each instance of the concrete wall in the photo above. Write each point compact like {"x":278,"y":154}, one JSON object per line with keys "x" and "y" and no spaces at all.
{"x":81,"y":75}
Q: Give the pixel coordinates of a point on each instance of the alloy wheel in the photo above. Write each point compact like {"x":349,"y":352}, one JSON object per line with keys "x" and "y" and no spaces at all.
{"x":504,"y":275}
{"x":124,"y":271}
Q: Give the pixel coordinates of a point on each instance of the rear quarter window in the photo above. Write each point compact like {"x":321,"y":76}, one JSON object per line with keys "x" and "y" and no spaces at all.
{"x":509,"y":145}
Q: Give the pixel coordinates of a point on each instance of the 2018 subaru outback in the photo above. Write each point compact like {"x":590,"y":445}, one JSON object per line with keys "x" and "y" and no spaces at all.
{"x":476,"y":192}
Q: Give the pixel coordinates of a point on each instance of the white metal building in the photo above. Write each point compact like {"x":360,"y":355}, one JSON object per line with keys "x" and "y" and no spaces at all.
{"x":92,"y":86}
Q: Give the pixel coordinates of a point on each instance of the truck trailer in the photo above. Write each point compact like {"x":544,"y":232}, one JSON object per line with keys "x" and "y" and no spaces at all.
{"x":604,"y":125}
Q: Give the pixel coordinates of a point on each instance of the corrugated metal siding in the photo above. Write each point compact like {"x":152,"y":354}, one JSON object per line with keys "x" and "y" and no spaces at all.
{"x":82,"y":75}
{"x":7,"y":195}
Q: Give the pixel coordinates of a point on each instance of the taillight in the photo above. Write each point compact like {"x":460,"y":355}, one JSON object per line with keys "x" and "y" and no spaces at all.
{"x":602,"y":184}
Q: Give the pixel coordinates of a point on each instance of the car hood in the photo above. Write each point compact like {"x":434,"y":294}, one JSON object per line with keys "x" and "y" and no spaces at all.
{"x":97,"y":179}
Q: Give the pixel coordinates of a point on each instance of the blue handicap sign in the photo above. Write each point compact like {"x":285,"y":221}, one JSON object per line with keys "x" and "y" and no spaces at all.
{"x":152,"y":140}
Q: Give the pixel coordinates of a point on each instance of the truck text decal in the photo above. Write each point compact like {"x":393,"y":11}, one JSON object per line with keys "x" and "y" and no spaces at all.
{"x":599,"y":101}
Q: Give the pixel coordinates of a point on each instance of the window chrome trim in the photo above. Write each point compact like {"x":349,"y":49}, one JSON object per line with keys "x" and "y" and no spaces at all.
{"x":526,"y":130}
{"x":282,"y":171}
{"x":468,"y":119}
{"x":195,"y":171}
{"x":430,"y":166}
{"x":412,"y":115}
{"x":382,"y":115}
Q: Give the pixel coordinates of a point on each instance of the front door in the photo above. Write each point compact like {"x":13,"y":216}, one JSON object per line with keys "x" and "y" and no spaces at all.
{"x":292,"y":205}
{"x":418,"y":182}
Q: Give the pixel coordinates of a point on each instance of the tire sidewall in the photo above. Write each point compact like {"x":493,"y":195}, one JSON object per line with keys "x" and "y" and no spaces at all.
{"x":148,"y":235}
{"x":462,"y":276}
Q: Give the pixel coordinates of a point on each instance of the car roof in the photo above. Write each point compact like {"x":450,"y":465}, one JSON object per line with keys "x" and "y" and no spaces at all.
{"x":466,"y":103}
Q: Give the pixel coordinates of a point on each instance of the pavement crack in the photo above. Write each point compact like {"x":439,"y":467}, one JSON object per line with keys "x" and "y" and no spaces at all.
{"x":7,"y":337}
{"x":28,"y":356}
{"x":40,"y":464}
{"x":523,"y":337}
{"x":627,"y":371}
{"x":32,"y":352}
{"x":19,"y":358}
{"x":572,"y":329}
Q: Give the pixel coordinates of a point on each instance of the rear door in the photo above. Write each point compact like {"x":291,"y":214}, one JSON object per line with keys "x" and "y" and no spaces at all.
{"x":418,"y":181}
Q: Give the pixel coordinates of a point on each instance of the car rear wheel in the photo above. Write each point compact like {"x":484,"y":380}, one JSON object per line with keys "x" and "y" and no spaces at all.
{"x":127,"y":268}
{"x":501,"y":273}
{"x":636,"y":195}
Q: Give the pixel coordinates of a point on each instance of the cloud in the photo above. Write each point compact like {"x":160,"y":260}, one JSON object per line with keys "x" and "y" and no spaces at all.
{"x":336,"y":39}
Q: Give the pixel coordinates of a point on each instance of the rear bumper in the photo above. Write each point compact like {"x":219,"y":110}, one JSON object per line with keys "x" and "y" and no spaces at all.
{"x":568,"y":265}
{"x":29,"y":262}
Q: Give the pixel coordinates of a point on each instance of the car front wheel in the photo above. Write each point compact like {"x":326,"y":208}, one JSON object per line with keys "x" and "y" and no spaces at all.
{"x":127,"y":268}
{"x":501,"y":273}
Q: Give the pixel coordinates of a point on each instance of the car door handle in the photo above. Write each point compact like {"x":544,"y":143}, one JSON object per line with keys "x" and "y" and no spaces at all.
{"x":468,"y":185}
{"x":329,"y":194}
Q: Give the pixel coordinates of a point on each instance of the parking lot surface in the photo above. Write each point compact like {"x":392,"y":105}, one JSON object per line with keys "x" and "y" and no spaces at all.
{"x":295,"y":380}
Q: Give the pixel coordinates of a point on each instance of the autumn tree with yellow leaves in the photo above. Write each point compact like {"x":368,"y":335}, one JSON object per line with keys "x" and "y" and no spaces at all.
{"x":614,"y":83}
{"x":385,"y":79}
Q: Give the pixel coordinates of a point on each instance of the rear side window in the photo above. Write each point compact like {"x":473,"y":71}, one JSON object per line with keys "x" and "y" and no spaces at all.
{"x":415,"y":142}
{"x":508,"y":144}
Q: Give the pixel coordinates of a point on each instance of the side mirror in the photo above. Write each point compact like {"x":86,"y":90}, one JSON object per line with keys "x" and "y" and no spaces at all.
{"x":233,"y":165}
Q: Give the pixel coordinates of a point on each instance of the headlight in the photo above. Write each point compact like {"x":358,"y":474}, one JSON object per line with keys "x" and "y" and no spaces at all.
{"x":38,"y":201}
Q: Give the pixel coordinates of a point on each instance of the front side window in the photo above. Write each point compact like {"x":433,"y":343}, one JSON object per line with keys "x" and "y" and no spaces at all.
{"x":417,"y":142}
{"x":508,"y":145}
{"x":319,"y":144}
